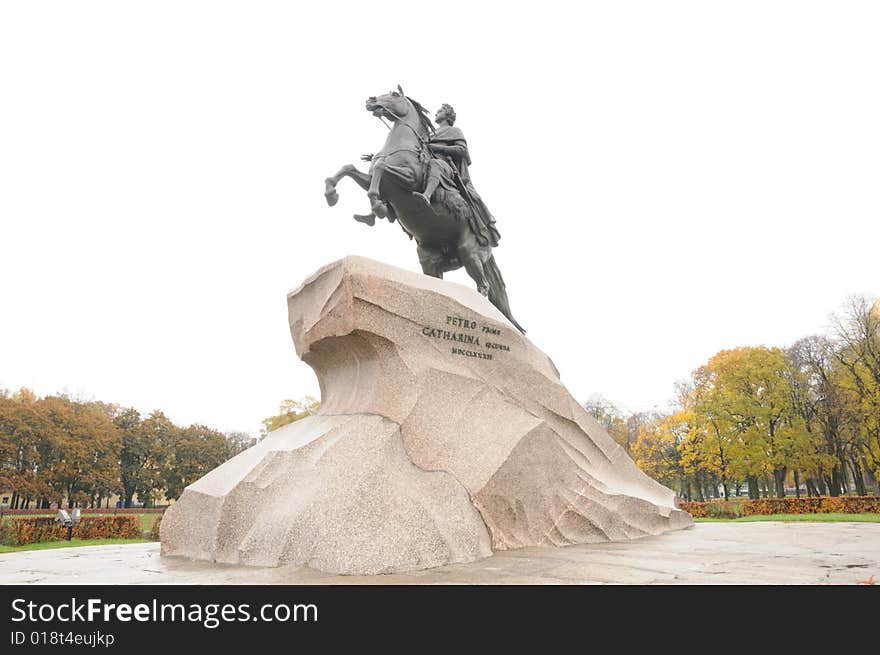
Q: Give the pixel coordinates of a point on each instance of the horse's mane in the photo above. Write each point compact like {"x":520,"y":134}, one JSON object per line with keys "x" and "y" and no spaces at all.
{"x":424,"y":118}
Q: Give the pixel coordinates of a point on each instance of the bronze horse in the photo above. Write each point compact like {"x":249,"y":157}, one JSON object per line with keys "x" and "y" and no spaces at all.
{"x":443,"y":232}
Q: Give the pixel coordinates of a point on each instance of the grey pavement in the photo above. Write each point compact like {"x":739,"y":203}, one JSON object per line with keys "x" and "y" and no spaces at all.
{"x":708,"y":553}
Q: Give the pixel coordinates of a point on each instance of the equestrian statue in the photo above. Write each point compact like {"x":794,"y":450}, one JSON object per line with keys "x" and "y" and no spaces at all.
{"x":420,"y":179}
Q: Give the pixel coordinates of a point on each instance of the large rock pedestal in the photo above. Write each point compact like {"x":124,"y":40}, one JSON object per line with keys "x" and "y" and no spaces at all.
{"x":443,"y":434}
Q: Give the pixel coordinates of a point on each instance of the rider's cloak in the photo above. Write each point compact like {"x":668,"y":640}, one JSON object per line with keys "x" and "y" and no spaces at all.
{"x":483,"y":223}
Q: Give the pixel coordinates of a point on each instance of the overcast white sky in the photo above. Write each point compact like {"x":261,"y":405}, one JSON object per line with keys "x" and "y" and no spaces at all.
{"x":669,"y":179}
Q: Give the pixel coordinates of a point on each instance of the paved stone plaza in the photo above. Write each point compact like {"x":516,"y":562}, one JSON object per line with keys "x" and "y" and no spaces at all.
{"x":708,"y":553}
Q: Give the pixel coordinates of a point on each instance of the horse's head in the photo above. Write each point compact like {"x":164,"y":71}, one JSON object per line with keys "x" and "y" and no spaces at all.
{"x":394,"y":105}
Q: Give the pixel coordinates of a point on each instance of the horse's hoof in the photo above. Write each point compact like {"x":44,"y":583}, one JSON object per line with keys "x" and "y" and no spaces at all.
{"x":369,"y":219}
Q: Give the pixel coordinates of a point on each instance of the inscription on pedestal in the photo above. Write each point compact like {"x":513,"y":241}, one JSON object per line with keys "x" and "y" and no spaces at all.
{"x":482,"y":341}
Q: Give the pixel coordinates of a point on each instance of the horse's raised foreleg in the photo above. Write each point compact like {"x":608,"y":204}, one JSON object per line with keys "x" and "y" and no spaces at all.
{"x":362,"y":179}
{"x":376,"y":204}
{"x":402,"y":176}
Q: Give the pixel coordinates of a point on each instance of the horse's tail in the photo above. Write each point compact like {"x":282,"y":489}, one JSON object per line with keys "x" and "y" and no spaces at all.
{"x":498,"y":291}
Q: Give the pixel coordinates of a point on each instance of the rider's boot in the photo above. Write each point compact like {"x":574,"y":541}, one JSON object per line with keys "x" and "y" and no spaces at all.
{"x":433,"y":179}
{"x":423,"y":199}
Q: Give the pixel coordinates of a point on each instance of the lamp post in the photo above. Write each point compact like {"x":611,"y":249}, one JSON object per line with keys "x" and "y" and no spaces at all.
{"x":68,"y":521}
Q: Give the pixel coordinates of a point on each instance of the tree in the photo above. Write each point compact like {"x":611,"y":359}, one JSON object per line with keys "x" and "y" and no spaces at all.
{"x":56,"y":448}
{"x":107,"y":446}
{"x":238,"y":442}
{"x":85,"y":446}
{"x":24,"y":451}
{"x":857,"y":353}
{"x":290,"y":411}
{"x":746,"y":400}
{"x":152,"y":443}
{"x":656,"y":451}
{"x":140,"y":453}
{"x":190,"y":453}
{"x":611,"y":418}
{"x":821,"y":402}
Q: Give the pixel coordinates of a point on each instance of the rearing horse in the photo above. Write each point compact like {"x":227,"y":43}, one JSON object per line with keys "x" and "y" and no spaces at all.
{"x":443,"y":232}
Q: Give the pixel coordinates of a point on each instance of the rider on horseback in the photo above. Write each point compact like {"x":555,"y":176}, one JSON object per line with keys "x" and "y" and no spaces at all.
{"x":447,"y":145}
{"x":448,"y":220}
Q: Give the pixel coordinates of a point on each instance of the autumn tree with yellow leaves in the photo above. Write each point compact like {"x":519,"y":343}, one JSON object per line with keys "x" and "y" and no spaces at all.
{"x":767,"y":418}
{"x":57,"y":449}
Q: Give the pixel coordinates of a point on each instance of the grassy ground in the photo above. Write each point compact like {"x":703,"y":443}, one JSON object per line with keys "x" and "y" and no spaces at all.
{"x":815,"y":518}
{"x":68,"y":544}
{"x":147,"y":520}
